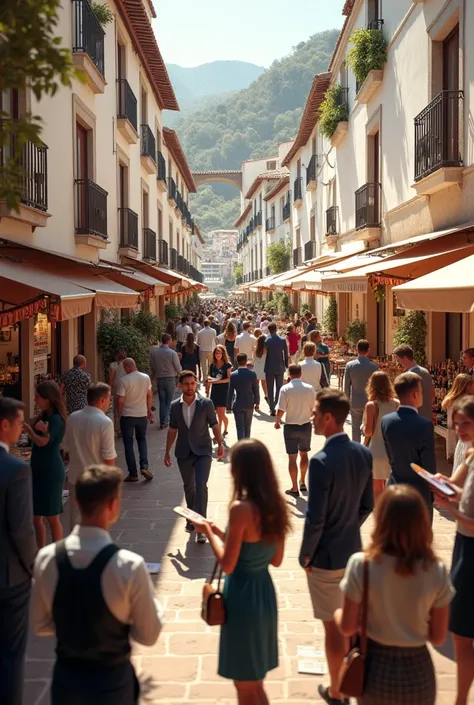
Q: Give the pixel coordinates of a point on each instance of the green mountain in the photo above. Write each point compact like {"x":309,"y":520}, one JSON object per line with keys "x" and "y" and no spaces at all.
{"x":250,"y":124}
{"x":212,"y":78}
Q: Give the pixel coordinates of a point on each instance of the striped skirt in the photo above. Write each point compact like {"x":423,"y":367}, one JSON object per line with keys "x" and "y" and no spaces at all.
{"x":399,"y":676}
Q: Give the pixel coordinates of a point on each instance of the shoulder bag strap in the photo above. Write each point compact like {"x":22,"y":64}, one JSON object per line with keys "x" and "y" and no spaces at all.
{"x":365,"y":609}
{"x":217,"y":571}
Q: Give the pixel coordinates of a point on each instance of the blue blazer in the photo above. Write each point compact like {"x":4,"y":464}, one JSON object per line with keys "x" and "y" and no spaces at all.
{"x":409,"y":438}
{"x":340,"y":500}
{"x":17,"y":535}
{"x":197,"y":438}
{"x":244,"y":383}
{"x":277,"y":355}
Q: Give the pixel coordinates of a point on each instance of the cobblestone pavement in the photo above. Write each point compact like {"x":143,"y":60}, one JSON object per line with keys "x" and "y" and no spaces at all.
{"x":182,"y":666}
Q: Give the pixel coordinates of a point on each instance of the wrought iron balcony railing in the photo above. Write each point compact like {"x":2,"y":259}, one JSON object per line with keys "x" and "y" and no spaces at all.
{"x":88,"y":35}
{"x":297,"y":257}
{"x":148,"y":145}
{"x":127,"y":103}
{"x":331,"y":220}
{"x":128,"y":222}
{"x":310,"y":250}
{"x":439,"y":134}
{"x":91,"y":208}
{"x":149,"y":244}
{"x":163,"y":252}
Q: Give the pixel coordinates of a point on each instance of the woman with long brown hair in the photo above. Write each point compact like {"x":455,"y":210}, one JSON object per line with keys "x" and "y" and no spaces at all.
{"x":463,"y":385}
{"x":254,"y":539}
{"x":381,"y":401}
{"x":409,"y":592}
{"x":189,"y":355}
{"x":47,"y":467}
{"x":259,"y":359}
{"x":227,"y":339}
{"x":219,"y":371}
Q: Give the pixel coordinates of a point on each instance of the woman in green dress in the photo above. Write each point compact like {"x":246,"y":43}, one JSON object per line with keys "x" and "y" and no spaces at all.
{"x":255,"y":539}
{"x":47,"y":466}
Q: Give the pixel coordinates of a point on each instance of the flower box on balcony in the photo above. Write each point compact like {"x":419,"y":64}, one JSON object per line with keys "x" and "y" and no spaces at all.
{"x":370,"y":86}
{"x":341,"y":131}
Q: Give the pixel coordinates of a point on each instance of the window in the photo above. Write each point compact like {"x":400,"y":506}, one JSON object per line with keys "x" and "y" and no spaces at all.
{"x":271,"y":165}
{"x":373,"y":11}
{"x":143,"y":106}
{"x":145,"y":219}
{"x":282,"y":205}
{"x":312,"y":228}
{"x":171,"y":234}
{"x":160,"y":224}
{"x":298,"y":168}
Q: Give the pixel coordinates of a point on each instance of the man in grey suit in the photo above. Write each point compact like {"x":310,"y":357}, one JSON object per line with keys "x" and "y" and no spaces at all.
{"x":17,"y":554}
{"x":244,"y":383}
{"x":357,"y":374}
{"x":275,"y":365}
{"x":191,"y":416}
{"x":406,"y":358}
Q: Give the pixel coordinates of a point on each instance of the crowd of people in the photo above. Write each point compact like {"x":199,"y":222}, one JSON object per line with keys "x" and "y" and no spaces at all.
{"x":222,"y":357}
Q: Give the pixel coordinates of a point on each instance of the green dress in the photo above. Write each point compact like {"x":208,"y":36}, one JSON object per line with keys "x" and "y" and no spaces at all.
{"x":249,"y":637}
{"x":48,"y":471}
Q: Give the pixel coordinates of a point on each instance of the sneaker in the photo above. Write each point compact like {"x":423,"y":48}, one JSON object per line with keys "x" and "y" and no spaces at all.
{"x":201,"y":538}
{"x":189,"y":528}
{"x":146,"y":474}
{"x":131,"y":478}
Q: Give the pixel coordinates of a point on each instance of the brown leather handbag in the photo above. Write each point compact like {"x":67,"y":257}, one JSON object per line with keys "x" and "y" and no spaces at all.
{"x":213,"y":605}
{"x":353,"y":670}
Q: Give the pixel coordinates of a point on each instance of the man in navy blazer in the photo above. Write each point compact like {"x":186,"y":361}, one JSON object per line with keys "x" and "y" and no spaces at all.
{"x":17,"y":554}
{"x":275,"y":365}
{"x":340,"y":500}
{"x":243,"y":396}
{"x":409,"y":437}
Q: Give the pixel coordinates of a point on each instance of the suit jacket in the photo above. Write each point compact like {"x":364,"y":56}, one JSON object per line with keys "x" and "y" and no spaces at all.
{"x":340,"y":500}
{"x":409,"y":438}
{"x":196,"y":439}
{"x":244,"y":383}
{"x":357,"y":374}
{"x":277,"y":355}
{"x":17,"y":535}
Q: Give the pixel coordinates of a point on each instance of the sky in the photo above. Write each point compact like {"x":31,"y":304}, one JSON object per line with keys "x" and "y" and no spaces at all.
{"x":194,"y":32}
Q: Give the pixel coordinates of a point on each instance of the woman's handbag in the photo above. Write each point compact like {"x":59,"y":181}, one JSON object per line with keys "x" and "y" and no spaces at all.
{"x":213,"y":606}
{"x":353,"y":670}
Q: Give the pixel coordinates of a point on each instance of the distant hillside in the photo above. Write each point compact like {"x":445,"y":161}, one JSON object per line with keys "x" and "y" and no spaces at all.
{"x":212,"y":78}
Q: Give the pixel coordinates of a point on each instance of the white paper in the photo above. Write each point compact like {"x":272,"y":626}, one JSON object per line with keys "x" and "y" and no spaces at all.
{"x":190,"y":515}
{"x":313,"y":667}
{"x":153,"y":568}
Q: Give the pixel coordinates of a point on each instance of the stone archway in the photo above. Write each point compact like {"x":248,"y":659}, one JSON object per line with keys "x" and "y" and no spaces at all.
{"x":232,"y":177}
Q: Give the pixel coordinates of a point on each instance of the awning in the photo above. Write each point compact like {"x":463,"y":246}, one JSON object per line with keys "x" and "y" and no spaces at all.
{"x":134,"y":279}
{"x":448,"y":290}
{"x":22,"y":281}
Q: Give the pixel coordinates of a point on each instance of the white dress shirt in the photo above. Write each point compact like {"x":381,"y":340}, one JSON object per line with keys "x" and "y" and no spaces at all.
{"x":126,"y":586}
{"x":4,"y":445}
{"x":206,"y":339}
{"x":182,"y":332}
{"x":246,"y":343}
{"x":89,"y":439}
{"x":297,"y":401}
{"x":188,"y":411}
{"x":311,"y":371}
{"x":134,"y":387}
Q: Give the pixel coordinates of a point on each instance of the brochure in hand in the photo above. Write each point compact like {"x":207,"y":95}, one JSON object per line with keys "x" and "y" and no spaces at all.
{"x":189,"y":515}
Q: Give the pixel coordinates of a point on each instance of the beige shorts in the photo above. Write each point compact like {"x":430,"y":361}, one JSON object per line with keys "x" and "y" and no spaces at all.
{"x":326,"y":595}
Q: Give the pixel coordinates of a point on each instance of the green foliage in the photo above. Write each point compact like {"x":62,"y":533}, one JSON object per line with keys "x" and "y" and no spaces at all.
{"x":114,"y":334}
{"x":284,"y":305}
{"x":172,"y":311}
{"x":330,"y":316}
{"x":103,"y":13}
{"x":31,"y":56}
{"x":147,"y":323}
{"x":278,"y":256}
{"x":355,"y":331}
{"x":334,"y":109}
{"x":212,"y":211}
{"x":238,"y":270}
{"x":413,"y":332}
{"x":369,"y":52}
{"x":304,"y":308}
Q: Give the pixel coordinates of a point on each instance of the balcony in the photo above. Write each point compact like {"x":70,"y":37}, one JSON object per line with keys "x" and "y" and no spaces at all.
{"x":163,"y":252}
{"x":376,"y":25}
{"x":174,"y":259}
{"x":88,"y":45}
{"x":238,"y":281}
{"x":343,"y":126}
{"x":311,"y":173}
{"x":161,"y":173}
{"x":128,"y":228}
{"x":297,"y":257}
{"x":259,"y":219}
{"x":439,"y":143}
{"x":298,"y":192}
{"x":332,"y":214}
{"x":179,"y":202}
{"x":368,"y":89}
{"x":180,"y":264}
{"x":149,"y":244}
{"x":172,"y":191}
{"x":286,"y":211}
{"x":33,"y":183}
{"x":310,"y":250}
{"x":268,"y":271}
{"x":260,"y":274}
{"x":148,"y":149}
{"x":91,"y":214}
{"x":270,"y":224}
{"x":367,"y":208}
{"x":126,"y":111}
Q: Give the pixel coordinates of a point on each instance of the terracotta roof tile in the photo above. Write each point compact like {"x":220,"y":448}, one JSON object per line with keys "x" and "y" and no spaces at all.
{"x":348,"y":7}
{"x":276,"y":189}
{"x":276,"y":174}
{"x":141,"y":32}
{"x":310,"y":114}
{"x":243,"y":215}
{"x":172,"y":142}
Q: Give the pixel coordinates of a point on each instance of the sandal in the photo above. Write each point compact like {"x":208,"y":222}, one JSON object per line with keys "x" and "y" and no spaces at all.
{"x":292,"y":493}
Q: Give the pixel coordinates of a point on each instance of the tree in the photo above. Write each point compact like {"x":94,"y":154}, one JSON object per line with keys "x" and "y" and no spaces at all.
{"x":238,"y":270}
{"x":278,"y":256}
{"x":330,"y":316}
{"x":413,"y":332}
{"x":31,"y":57}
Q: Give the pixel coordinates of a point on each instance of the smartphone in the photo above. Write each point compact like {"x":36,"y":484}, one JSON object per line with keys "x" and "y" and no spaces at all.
{"x":191,"y":516}
{"x":441,"y":485}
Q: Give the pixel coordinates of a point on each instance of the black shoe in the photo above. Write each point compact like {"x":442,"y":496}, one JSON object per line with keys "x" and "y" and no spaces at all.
{"x":273,"y":413}
{"x":292,"y":493}
{"x":146,"y":474}
{"x":324,"y":693}
{"x":201,"y":538}
{"x":189,"y":527}
{"x":131,"y":478}
{"x":303,"y":487}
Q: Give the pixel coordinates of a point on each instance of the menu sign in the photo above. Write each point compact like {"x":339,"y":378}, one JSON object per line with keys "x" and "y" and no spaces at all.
{"x":41,"y":336}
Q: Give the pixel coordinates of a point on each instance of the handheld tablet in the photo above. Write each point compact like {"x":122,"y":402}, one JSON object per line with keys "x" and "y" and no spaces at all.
{"x":439,"y":485}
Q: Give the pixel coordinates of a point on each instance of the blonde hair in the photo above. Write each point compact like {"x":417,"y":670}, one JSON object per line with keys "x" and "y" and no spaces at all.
{"x":380,"y":387}
{"x":459,"y":389}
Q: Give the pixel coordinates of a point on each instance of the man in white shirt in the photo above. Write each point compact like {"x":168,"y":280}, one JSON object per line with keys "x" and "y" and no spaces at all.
{"x":206,"y":339}
{"x":94,"y":597}
{"x":134,"y":402}
{"x":88,"y":440}
{"x":296,"y":402}
{"x":311,"y":369}
{"x":182,"y":332}
{"x":246,"y":343}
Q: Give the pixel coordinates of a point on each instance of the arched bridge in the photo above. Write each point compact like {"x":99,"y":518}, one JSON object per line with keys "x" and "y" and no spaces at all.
{"x":233,"y":177}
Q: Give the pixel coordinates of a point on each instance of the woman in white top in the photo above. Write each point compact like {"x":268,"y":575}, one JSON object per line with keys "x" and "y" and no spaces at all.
{"x":461,"y":622}
{"x":259,"y":363}
{"x":463,"y":384}
{"x":381,"y":396}
{"x":408,"y":601}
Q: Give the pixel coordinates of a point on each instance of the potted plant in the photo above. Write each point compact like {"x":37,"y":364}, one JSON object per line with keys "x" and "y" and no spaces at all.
{"x":278,"y":256}
{"x":355,"y":331}
{"x":412,"y":332}
{"x":334,"y":109}
{"x":330,"y":317}
{"x":103,"y":13}
{"x":369,"y":53}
